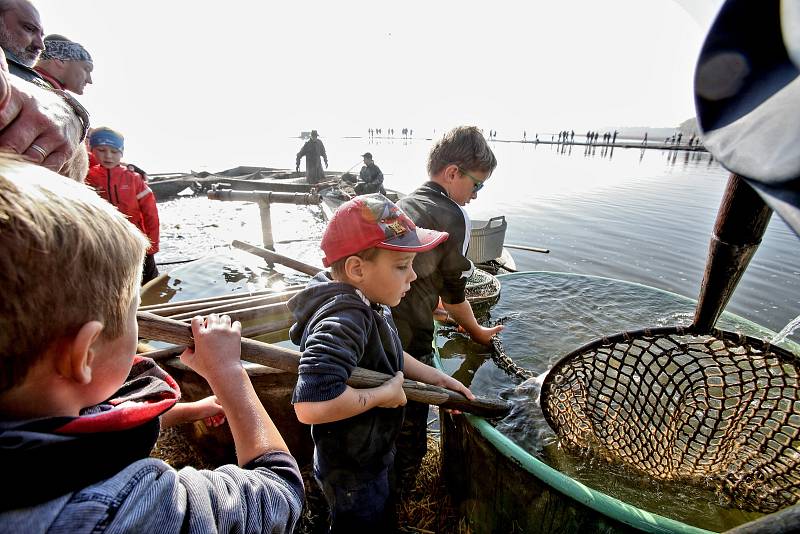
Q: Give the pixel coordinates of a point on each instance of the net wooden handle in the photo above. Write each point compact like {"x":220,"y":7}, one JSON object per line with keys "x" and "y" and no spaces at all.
{"x":163,"y":329}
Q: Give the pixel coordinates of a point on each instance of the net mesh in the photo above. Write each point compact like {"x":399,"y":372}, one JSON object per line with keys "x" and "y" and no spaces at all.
{"x":482,"y":292}
{"x":718,"y":409}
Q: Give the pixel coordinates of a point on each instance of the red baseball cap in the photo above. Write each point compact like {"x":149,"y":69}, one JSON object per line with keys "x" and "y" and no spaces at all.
{"x":369,"y":221}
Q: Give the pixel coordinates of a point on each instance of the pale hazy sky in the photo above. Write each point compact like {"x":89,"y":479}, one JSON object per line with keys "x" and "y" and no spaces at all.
{"x":192,"y":75}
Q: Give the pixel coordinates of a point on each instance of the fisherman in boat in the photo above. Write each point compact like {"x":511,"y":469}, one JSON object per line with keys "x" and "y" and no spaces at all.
{"x":370,"y":178}
{"x":458,"y":166}
{"x":313,"y":149}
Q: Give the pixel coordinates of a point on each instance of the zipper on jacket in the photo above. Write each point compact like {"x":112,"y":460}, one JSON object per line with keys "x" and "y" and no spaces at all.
{"x":108,"y":187}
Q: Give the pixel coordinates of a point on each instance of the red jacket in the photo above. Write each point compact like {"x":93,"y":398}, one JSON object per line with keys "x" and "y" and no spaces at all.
{"x":128,"y":192}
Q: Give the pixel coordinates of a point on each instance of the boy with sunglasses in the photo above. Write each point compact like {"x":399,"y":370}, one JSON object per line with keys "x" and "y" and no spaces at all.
{"x":458,"y":166}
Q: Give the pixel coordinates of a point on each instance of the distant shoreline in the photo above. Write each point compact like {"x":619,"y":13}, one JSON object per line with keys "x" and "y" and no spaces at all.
{"x":622,"y":142}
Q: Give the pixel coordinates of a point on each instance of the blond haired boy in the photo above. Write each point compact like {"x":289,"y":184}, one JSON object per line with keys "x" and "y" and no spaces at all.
{"x":344,"y":321}
{"x":79,"y":412}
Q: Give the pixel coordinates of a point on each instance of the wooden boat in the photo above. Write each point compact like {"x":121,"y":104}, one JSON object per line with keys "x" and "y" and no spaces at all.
{"x":486,"y":240}
{"x":274,"y":387}
{"x":166,"y":186}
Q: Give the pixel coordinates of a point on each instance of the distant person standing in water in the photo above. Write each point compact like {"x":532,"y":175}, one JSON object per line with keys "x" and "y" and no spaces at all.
{"x":313,"y":149}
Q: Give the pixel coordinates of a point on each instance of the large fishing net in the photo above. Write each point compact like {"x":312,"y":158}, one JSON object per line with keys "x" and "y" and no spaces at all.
{"x":717,"y":409}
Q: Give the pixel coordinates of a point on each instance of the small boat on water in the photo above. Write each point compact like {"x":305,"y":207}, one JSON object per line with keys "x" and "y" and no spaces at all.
{"x":169,"y":185}
{"x":486,"y":242}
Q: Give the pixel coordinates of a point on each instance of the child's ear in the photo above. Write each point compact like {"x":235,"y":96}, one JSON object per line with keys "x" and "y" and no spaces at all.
{"x":451,"y":172}
{"x":80,"y":353}
{"x":354,"y":268}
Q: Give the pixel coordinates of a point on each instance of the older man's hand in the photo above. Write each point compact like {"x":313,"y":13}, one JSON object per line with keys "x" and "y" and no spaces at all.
{"x":37,"y":123}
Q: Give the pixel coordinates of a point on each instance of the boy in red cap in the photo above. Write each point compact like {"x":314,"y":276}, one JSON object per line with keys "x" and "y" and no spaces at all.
{"x":344,"y":322}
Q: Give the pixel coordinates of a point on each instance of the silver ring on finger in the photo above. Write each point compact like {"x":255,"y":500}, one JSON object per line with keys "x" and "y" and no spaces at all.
{"x":39,"y":149}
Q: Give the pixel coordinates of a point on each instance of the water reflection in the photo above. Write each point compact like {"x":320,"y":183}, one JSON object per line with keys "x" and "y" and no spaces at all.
{"x":637,"y":217}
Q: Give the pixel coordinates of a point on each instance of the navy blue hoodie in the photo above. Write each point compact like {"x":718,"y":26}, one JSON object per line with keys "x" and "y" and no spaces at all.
{"x":338,"y":330}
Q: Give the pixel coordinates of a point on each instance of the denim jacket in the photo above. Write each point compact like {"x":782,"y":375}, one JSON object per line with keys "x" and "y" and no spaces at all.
{"x":92,"y":473}
{"x":150,"y":496}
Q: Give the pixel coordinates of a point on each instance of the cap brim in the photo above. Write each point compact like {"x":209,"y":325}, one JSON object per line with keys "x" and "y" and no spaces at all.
{"x":420,"y":240}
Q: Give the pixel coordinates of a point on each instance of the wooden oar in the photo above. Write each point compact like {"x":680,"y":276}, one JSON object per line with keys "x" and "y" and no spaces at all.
{"x":163,"y":329}
{"x":274,"y":257}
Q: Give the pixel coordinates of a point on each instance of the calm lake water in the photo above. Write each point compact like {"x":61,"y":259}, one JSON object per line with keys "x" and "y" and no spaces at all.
{"x":642,"y":216}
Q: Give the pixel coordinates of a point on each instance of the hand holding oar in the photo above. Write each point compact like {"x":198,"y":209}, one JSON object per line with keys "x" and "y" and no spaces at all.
{"x":163,"y":329}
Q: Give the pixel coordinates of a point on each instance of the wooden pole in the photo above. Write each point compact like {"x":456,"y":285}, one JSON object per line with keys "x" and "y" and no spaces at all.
{"x":268,"y":255}
{"x":209,"y":301}
{"x":268,"y":306}
{"x":741,"y":222}
{"x":220,"y":306}
{"x":266,"y":225}
{"x":243,"y":314}
{"x":529,"y":249}
{"x":159,"y":328}
{"x":302,"y":199}
{"x":269,"y":327}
